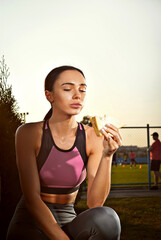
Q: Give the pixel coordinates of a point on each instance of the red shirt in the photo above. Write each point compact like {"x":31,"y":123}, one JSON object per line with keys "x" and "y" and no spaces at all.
{"x":132,"y":155}
{"x":155,"y":154}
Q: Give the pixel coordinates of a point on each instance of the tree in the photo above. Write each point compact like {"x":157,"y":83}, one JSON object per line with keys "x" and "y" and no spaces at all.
{"x":10,"y":120}
{"x":86,"y":121}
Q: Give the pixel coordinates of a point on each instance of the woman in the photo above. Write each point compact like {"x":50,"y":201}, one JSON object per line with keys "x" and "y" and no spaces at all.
{"x":52,"y":158}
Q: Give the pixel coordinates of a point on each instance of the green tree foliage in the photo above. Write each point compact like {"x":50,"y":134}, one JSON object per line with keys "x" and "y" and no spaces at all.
{"x":86,"y":121}
{"x":9,"y":122}
{"x":9,"y":118}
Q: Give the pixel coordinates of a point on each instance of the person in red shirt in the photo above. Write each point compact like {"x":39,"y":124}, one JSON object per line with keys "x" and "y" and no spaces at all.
{"x":132,"y":159}
{"x":155,"y":155}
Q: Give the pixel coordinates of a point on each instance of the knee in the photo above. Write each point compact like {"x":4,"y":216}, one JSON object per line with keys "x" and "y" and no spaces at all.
{"x":107,"y":222}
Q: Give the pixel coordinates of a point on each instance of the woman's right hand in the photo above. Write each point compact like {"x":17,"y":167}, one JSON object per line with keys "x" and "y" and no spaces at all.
{"x":112,"y":139}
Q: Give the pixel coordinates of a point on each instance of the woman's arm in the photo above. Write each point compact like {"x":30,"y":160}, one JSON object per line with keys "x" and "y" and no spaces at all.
{"x":99,"y":165}
{"x":26,"y":146}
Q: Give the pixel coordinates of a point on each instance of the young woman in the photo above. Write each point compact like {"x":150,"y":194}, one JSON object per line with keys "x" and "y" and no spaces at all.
{"x":52,"y":159}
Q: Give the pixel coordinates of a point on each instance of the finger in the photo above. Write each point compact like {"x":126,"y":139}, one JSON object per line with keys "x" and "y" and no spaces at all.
{"x":113,"y":143}
{"x":106,"y":135}
{"x":115,"y":135}
{"x":112,"y":146}
{"x":109,"y":125}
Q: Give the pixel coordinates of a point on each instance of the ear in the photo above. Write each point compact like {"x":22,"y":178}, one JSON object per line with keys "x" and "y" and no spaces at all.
{"x":49,"y":96}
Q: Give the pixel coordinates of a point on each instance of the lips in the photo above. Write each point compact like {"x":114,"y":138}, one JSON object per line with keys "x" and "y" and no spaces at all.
{"x":75,"y":105}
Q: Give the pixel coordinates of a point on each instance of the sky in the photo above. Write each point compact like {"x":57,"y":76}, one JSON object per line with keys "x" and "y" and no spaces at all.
{"x":116,"y":43}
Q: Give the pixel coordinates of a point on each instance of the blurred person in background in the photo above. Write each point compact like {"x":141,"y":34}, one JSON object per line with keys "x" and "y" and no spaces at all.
{"x":125,"y":158}
{"x":132,"y":159}
{"x":155,"y":155}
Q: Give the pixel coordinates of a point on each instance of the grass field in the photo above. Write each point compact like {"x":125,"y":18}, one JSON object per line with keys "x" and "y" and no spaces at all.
{"x":140,"y":217}
{"x":123,"y":174}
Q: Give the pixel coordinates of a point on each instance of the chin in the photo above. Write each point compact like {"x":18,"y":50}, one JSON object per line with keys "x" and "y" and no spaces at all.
{"x":74,"y":112}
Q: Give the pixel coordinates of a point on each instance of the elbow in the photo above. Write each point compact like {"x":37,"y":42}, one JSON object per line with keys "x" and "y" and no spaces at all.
{"x":32,"y":202}
{"x":92,"y":203}
{"x":96,"y":201}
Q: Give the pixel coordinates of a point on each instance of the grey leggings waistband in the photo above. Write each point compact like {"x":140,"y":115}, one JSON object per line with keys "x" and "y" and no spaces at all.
{"x":62,"y":213}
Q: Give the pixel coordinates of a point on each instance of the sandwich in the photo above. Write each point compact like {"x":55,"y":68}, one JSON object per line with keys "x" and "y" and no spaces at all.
{"x":99,"y":122}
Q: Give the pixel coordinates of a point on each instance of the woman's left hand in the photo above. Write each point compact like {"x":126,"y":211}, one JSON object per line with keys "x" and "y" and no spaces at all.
{"x":112,"y":139}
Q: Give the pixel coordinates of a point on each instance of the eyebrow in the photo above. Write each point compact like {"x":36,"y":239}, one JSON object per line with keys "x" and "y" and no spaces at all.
{"x":70,"y":83}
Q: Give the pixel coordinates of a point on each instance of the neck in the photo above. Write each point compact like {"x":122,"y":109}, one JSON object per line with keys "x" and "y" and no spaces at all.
{"x":63,"y":126}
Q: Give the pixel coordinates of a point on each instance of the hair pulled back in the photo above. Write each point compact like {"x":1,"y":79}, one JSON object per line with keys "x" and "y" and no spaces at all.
{"x":51,"y":78}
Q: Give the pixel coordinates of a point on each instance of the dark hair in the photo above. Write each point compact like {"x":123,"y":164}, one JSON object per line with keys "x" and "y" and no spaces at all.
{"x":155,"y":134}
{"x":52,"y":77}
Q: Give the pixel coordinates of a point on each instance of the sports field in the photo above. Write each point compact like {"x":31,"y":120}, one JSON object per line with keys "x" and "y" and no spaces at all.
{"x":123,"y":175}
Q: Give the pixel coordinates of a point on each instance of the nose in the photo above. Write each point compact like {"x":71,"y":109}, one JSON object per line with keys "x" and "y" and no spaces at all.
{"x":76,"y":94}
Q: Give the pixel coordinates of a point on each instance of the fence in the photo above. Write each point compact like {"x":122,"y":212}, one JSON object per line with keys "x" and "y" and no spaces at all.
{"x":138,"y":140}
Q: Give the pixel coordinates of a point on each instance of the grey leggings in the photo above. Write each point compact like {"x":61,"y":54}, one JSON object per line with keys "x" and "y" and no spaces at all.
{"x":98,"y":223}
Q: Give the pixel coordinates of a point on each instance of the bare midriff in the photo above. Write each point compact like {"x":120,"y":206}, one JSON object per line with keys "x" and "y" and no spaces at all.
{"x":59,"y":198}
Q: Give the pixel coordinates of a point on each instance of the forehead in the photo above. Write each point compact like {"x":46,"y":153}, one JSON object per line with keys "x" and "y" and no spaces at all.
{"x":71,"y":76}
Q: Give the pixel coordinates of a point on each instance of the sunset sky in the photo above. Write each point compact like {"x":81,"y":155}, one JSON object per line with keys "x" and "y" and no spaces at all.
{"x":117,"y":44}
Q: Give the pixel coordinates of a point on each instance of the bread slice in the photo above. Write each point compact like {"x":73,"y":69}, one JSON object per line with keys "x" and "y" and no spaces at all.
{"x":99,"y":122}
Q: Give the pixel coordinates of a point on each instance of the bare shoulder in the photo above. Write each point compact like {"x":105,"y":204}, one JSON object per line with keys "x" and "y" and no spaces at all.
{"x":91,"y":135}
{"x":29,"y":129}
{"x":89,"y":131}
{"x":93,"y":142}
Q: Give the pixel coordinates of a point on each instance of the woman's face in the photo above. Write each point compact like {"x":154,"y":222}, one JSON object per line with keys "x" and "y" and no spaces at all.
{"x":69,"y":91}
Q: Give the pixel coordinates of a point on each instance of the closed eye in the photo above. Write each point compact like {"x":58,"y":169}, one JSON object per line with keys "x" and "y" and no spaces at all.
{"x":66,"y":89}
{"x":82,"y":89}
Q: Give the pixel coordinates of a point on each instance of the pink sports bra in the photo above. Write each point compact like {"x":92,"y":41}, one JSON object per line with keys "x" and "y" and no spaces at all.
{"x":62,"y":171}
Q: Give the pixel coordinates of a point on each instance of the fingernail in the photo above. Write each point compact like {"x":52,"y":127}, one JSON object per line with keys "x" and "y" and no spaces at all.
{"x":108,"y":124}
{"x":105,"y":127}
{"x":103,"y":130}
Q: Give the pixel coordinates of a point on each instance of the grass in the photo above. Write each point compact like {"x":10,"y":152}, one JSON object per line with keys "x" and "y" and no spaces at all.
{"x":123,"y":174}
{"x":140,"y":217}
